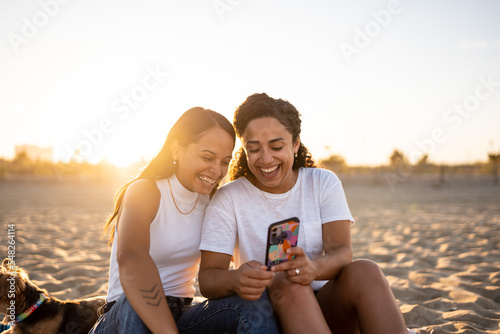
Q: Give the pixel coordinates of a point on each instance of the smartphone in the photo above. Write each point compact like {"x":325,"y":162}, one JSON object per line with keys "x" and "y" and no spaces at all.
{"x":281,"y":236}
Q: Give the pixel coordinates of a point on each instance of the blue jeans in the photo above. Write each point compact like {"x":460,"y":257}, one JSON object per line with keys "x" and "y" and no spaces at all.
{"x":230,"y":315}
{"x":226,"y":315}
{"x":121,"y":318}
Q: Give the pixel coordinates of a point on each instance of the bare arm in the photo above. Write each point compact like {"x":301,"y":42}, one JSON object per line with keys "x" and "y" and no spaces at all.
{"x":249,"y":281}
{"x":138,"y":273}
{"x":338,"y":253}
{"x":338,"y":250}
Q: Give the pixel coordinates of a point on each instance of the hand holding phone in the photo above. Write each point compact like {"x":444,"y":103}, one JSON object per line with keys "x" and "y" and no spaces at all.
{"x":252,"y":280}
{"x":281,"y":236}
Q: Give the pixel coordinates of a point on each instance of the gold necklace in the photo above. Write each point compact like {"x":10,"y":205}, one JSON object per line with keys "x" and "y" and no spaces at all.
{"x":283,"y":205}
{"x":184,"y":213}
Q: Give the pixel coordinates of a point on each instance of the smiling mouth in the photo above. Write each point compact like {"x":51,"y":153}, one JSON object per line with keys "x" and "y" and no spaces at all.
{"x":269,"y":172}
{"x":206,"y":180}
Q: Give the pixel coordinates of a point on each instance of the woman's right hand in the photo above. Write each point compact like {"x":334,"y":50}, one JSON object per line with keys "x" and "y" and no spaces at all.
{"x":252,"y":279}
{"x":249,"y":281}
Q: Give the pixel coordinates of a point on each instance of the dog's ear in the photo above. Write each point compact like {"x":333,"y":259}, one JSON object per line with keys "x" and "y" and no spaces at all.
{"x":6,"y":262}
{"x":20,"y":282}
{"x":6,"y":284}
{"x":11,"y":268}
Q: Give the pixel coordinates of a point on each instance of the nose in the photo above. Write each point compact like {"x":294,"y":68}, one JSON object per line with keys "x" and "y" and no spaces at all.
{"x":216,"y":169}
{"x":266,"y":157}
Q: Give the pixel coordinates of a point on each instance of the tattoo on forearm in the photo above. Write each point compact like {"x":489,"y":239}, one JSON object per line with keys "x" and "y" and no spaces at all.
{"x":152,"y":296}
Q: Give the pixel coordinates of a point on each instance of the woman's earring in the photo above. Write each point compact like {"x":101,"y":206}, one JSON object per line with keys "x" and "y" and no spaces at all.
{"x":295,"y":155}
{"x":175,"y":162}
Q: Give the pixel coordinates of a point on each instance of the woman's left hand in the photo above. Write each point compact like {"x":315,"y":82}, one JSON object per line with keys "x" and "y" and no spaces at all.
{"x":299,"y":270}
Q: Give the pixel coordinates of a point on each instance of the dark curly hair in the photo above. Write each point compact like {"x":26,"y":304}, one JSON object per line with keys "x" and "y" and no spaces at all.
{"x":258,"y":106}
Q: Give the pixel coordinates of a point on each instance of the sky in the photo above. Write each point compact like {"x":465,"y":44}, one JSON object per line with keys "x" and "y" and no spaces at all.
{"x":105,"y":80}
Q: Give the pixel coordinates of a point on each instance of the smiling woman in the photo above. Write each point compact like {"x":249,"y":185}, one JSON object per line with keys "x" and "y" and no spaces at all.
{"x":264,"y":137}
{"x":197,"y":131}
{"x":320,"y":290}
{"x":270,"y":151}
{"x":156,"y":226}
{"x":203,"y":163}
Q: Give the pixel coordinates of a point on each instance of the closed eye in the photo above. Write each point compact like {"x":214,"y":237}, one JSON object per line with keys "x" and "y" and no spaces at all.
{"x":253,"y":148}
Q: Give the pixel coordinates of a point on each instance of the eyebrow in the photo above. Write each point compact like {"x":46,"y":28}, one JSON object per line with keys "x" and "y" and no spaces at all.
{"x":270,"y":142}
{"x":208,"y":151}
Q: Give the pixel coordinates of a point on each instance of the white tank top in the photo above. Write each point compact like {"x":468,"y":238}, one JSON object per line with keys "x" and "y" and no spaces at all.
{"x":174,"y":242}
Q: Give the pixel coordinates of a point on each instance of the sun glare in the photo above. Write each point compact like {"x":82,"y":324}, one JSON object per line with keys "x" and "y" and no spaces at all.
{"x":119,"y":160}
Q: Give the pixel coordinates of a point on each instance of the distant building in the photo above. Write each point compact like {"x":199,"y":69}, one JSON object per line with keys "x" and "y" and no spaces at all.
{"x":35,"y":152}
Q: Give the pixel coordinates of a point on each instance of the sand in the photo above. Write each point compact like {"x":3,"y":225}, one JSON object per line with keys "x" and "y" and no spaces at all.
{"x":439,"y":246}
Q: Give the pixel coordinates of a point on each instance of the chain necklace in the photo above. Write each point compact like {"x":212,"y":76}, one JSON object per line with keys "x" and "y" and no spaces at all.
{"x":184,"y":213}
{"x":283,"y":205}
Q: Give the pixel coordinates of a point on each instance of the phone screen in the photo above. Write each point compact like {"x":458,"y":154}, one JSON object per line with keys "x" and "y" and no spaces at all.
{"x":281,"y":236}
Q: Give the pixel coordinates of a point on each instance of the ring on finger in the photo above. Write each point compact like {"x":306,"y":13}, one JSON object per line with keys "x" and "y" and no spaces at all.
{"x":297,"y":271}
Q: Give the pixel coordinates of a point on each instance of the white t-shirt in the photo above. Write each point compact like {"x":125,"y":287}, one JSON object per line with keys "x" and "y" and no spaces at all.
{"x":239,"y":215}
{"x":174,"y":242}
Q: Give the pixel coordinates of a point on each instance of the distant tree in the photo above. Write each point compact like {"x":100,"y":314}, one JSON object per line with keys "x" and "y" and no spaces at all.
{"x":397,"y":158}
{"x":22,"y":158}
{"x":423,"y":161}
{"x":335,"y":163}
{"x":494,"y":157}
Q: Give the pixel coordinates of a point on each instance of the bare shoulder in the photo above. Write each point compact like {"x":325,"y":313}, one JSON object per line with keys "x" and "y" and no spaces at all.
{"x":143,"y":187}
{"x":142,"y":196}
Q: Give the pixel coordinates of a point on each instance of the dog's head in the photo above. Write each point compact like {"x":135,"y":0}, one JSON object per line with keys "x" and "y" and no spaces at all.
{"x":17,"y":286}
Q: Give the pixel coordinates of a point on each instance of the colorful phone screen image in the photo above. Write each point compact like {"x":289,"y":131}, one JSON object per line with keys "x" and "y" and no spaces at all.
{"x":281,"y":236}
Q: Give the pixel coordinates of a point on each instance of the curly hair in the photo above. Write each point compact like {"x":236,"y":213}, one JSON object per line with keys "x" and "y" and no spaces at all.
{"x":258,"y":106}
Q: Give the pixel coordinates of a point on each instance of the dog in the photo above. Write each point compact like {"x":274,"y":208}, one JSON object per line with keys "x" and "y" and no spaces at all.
{"x":48,"y":315}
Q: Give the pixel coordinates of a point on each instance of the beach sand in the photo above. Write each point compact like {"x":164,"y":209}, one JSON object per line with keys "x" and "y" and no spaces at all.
{"x":439,"y":246}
